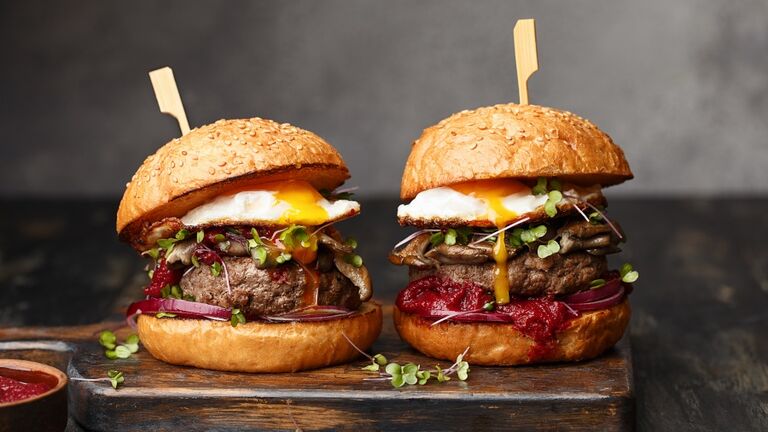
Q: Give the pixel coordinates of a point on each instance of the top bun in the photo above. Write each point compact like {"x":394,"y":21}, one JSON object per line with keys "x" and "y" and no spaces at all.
{"x":512,"y":141}
{"x":220,"y":158}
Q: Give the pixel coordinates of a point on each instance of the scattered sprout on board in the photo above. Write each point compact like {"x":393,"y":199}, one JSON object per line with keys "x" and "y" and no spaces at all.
{"x":410,"y":373}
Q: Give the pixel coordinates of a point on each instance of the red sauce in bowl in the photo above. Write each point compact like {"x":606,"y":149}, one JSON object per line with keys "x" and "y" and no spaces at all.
{"x":18,"y":384}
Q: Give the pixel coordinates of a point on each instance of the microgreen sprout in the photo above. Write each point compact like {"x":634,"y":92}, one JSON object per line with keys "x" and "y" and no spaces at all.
{"x":544,"y":185}
{"x":628,"y":275}
{"x":165,"y":315}
{"x":597,"y":283}
{"x":200,"y":236}
{"x":259,"y":254}
{"x":132,"y":343}
{"x":107,"y":339}
{"x":451,"y":236}
{"x":522,"y":236}
{"x":437,"y":238}
{"x":351,"y":242}
{"x":553,"y":198}
{"x":355,"y":260}
{"x":237,"y":317}
{"x":541,"y":186}
{"x":115,"y":378}
{"x":122,"y":352}
{"x":257,"y":248}
{"x":410,"y":373}
{"x":283,"y":258}
{"x":294,"y":236}
{"x":490,"y":306}
{"x":113,"y":351}
{"x":216,"y":268}
{"x":169,"y":243}
{"x":171,"y":291}
{"x":154,"y":253}
{"x":552,"y":247}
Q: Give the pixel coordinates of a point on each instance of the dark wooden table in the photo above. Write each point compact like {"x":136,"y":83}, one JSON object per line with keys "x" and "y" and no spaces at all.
{"x":699,"y":331}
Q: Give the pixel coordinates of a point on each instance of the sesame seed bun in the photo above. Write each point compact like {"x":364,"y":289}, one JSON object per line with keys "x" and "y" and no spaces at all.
{"x":512,"y":141}
{"x":220,"y":158}
{"x":494,"y":344}
{"x":259,"y":346}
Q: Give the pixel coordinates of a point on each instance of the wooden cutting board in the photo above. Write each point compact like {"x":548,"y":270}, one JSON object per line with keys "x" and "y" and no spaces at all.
{"x":592,"y":395}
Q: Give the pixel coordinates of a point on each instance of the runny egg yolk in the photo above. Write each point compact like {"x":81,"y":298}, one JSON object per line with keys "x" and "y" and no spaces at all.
{"x":493,"y":193}
{"x":303,"y":200}
{"x":501,"y":271}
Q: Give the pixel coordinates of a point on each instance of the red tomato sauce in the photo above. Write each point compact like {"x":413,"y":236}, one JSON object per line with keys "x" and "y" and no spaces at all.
{"x":538,"y":318}
{"x":16,"y":384}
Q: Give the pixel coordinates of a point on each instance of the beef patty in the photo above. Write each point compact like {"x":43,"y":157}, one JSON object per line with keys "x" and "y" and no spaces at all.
{"x":271,"y":291}
{"x":529,"y":275}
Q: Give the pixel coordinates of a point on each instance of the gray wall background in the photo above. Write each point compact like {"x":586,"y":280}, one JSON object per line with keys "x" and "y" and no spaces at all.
{"x":682,"y":86}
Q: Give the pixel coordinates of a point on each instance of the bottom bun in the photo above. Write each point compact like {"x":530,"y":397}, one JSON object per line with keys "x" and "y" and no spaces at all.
{"x":259,"y":346}
{"x":494,"y":344}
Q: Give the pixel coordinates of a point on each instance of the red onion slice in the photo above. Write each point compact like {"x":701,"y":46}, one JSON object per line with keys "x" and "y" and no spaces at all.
{"x":600,"y":304}
{"x":609,"y":289}
{"x":181,"y":308}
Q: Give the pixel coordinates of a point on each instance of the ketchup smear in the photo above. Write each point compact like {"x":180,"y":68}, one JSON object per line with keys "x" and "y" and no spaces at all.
{"x":537,"y":318}
{"x":33,"y":384}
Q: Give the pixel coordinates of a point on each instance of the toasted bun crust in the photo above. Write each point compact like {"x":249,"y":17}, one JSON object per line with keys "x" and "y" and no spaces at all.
{"x":224,"y":157}
{"x":512,"y":141}
{"x":258,"y":346}
{"x":492,"y":344}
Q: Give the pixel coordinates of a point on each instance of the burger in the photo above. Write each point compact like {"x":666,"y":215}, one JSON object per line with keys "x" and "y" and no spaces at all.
{"x":247,"y":272}
{"x":509,"y":259}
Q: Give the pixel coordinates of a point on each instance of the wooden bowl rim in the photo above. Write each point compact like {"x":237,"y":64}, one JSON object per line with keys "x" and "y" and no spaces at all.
{"x":34,"y":366}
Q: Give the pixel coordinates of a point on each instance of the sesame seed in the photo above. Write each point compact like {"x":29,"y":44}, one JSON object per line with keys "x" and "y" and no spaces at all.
{"x":184,"y":152}
{"x":473,"y":146}
{"x":222,"y":163}
{"x":211,"y":170}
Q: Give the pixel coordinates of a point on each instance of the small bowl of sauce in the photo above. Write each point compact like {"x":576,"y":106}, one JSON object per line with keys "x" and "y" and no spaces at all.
{"x":33,"y":396}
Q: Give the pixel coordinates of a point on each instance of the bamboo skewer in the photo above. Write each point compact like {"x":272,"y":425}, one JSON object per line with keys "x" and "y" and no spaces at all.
{"x":526,"y":56}
{"x":168,"y":98}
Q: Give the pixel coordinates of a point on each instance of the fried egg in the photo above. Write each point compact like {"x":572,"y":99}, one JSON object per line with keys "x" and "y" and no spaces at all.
{"x":279,"y":203}
{"x":497,"y":201}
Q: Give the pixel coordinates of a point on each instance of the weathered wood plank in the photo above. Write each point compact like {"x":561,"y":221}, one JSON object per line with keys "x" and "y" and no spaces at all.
{"x":584,"y":396}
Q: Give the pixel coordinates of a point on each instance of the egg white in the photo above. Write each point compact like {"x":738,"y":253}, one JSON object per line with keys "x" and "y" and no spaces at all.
{"x":255,"y":207}
{"x":449,"y":205}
